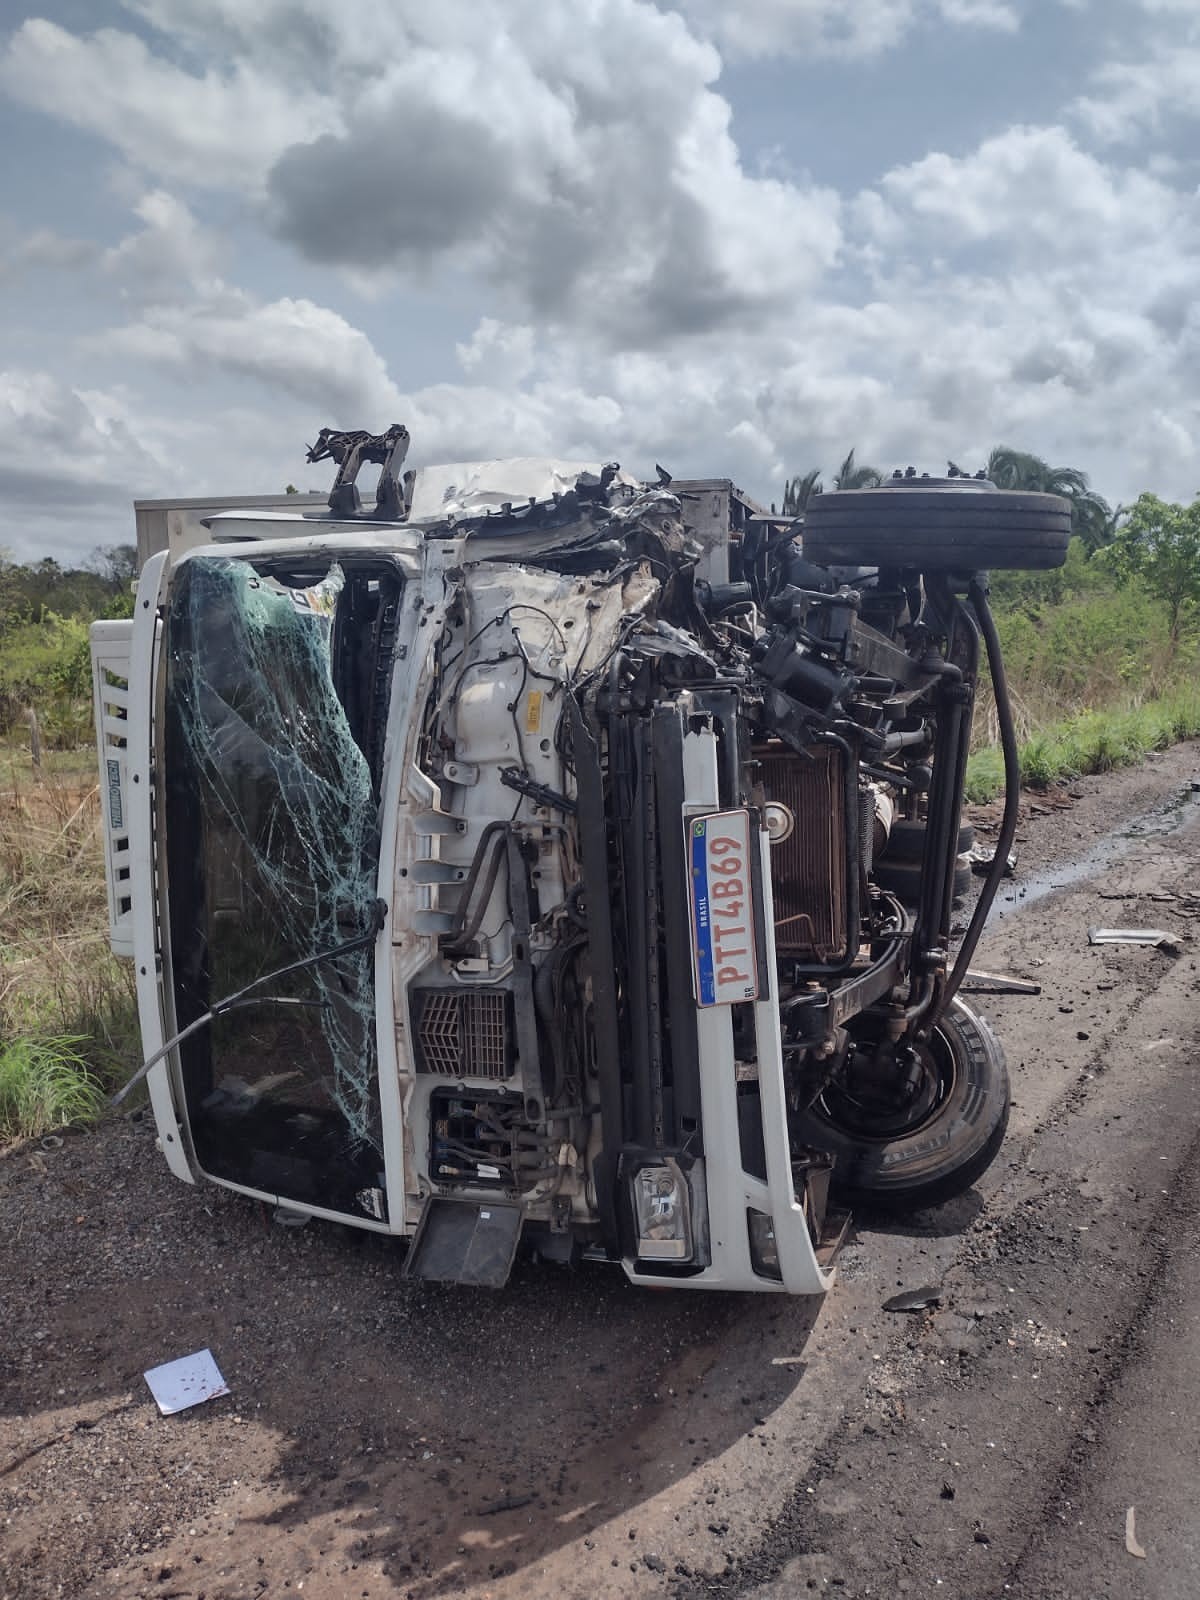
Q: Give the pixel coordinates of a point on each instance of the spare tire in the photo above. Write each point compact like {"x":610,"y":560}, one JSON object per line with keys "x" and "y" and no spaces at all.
{"x":906,"y":842}
{"x":937,"y":525}
{"x":904,"y":878}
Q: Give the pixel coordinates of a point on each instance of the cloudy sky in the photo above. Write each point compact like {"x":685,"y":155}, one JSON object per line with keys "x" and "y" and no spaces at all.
{"x":733,"y":236}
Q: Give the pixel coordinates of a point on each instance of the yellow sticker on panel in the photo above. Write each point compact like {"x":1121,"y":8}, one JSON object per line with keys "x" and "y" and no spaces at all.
{"x":533,"y":711}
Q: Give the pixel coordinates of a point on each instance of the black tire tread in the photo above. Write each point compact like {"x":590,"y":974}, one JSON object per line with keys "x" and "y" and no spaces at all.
{"x":906,"y":842}
{"x":927,"y":1178}
{"x":936,"y":530}
{"x":903,"y":878}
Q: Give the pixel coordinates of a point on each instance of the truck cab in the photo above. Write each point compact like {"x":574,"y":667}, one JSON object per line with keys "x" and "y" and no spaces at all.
{"x":507,"y":865}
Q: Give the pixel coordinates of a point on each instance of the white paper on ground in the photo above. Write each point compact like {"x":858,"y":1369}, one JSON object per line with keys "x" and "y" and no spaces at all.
{"x":176,"y":1385}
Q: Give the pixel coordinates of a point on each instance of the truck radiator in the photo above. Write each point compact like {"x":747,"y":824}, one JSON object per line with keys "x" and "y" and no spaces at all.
{"x":808,"y":867}
{"x":463,"y":1033}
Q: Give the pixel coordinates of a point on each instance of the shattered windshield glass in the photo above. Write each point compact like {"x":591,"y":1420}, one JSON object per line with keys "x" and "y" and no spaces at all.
{"x":275,"y":706}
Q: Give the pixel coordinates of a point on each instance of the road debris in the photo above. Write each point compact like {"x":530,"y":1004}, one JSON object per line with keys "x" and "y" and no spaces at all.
{"x":915,"y":1299}
{"x":981,"y":857}
{"x":978,"y":982}
{"x":1131,"y":1539}
{"x":1155,"y":936}
{"x":188,"y":1381}
{"x":512,"y":1502}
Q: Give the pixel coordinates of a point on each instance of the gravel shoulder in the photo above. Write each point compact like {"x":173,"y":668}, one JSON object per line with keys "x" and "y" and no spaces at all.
{"x":575,"y":1437}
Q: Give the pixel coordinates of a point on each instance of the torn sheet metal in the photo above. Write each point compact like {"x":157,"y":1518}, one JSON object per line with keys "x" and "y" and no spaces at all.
{"x":470,"y":488}
{"x":978,"y":982}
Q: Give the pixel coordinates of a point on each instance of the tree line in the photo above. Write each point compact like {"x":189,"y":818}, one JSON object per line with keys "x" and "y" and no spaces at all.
{"x":45,"y":662}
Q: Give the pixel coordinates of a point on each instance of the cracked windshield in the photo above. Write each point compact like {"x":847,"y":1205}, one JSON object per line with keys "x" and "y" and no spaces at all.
{"x":272,"y":850}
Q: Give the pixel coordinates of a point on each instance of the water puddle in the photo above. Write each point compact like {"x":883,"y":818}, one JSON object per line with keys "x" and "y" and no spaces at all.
{"x":1179,"y":814}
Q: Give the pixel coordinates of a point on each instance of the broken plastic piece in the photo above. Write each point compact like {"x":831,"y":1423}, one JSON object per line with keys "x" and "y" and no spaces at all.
{"x":915,"y":1299}
{"x":189,"y":1381}
{"x":1131,"y":1539}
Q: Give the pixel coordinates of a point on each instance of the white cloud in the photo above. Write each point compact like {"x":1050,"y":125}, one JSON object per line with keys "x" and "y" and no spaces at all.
{"x":578,"y":159}
{"x":43,"y":249}
{"x":498,"y":352}
{"x":1027,"y":189}
{"x":171,"y":254}
{"x":847,"y":28}
{"x":567,"y":182}
{"x":221,"y":128}
{"x":1130,"y":99}
{"x":290,"y":347}
{"x":68,"y":460}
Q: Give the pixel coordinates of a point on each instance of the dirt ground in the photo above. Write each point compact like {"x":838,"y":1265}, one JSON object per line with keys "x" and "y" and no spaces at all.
{"x":575,"y":1437}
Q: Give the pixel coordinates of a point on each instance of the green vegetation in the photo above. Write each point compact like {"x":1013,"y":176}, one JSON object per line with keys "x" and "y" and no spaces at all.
{"x":798,"y":491}
{"x":1092,"y":741}
{"x":1158,"y":546}
{"x":45,"y":667}
{"x":44,"y":1084}
{"x":68,"y":1017}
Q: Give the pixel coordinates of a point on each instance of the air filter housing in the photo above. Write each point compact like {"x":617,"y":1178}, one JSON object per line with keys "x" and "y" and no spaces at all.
{"x":463,"y":1033}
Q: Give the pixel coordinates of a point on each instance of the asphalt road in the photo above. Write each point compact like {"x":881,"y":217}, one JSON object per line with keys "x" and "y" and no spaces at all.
{"x":576,"y":1438}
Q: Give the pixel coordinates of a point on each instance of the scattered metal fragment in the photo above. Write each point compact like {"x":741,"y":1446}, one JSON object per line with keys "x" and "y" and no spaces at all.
{"x":978,"y":982}
{"x":1155,"y":936}
{"x":1131,"y":1539}
{"x":981,"y":857}
{"x":915,"y":1299}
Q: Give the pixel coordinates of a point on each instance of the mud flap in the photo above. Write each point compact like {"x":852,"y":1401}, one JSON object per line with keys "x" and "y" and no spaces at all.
{"x":465,"y":1241}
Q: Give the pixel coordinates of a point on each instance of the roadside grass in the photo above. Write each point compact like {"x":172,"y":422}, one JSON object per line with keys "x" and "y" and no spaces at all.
{"x":44,"y":1084}
{"x":68,"y":1019}
{"x":1090,"y":741}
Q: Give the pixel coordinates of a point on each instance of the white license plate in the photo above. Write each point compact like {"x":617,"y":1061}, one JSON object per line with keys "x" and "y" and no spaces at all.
{"x":723,"y":948}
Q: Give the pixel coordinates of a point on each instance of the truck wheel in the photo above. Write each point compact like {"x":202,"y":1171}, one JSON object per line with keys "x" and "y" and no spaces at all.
{"x":903,"y":1149}
{"x":906,"y":842}
{"x":937,"y":525}
{"x":903,"y":878}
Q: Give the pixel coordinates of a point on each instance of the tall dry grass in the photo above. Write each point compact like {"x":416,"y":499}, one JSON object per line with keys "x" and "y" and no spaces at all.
{"x":67,"y":1006}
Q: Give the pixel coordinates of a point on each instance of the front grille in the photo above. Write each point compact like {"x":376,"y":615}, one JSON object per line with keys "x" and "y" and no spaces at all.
{"x":463,"y":1033}
{"x":808,"y":869}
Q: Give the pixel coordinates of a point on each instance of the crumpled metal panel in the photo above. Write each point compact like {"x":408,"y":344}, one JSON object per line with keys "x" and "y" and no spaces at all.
{"x":469,"y":488}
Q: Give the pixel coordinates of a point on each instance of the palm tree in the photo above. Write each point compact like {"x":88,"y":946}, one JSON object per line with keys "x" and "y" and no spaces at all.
{"x":797,"y":492}
{"x":849,"y":476}
{"x":1092,"y":518}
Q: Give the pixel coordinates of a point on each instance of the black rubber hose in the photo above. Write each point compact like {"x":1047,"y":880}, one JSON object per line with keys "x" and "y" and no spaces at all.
{"x":241,"y":997}
{"x":1012,"y":802}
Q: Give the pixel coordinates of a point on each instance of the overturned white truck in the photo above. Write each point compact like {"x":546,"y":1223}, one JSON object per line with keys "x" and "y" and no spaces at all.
{"x":542,"y":857}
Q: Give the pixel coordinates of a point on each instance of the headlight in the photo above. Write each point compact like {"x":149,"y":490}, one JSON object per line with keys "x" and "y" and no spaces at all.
{"x":764,"y":1251}
{"x":662,"y":1213}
